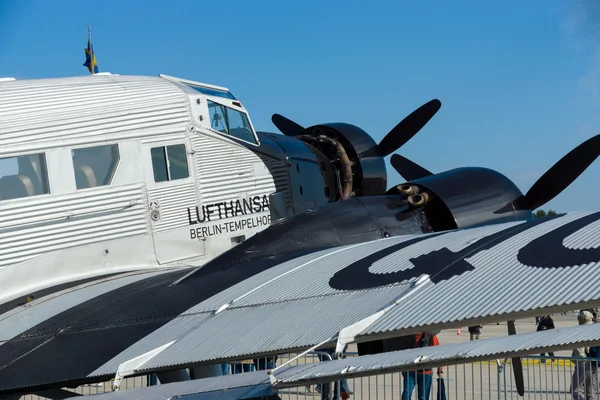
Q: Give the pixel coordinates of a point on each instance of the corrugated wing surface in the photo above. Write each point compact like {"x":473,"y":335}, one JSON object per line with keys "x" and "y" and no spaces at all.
{"x":70,"y":108}
{"x":207,"y":385}
{"x":278,"y":308}
{"x":239,"y":332}
{"x":405,"y":360}
{"x":450,"y":354}
{"x":19,"y":319}
{"x":458,"y":278}
{"x":501,"y":285}
{"x":294,"y":280}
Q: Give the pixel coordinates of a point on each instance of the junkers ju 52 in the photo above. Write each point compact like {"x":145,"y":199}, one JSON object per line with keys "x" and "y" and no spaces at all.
{"x":108,"y":182}
{"x":107,"y":173}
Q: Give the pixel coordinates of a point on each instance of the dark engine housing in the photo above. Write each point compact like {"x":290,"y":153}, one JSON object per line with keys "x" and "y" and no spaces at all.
{"x":466,"y":198}
{"x":324,"y":164}
{"x":357,"y":167}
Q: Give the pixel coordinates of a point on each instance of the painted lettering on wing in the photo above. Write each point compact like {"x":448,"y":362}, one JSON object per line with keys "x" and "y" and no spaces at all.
{"x":227,"y":209}
{"x":230,"y":226}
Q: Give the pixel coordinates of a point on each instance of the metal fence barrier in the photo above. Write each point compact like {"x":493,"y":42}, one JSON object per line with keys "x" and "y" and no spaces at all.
{"x":545,"y":378}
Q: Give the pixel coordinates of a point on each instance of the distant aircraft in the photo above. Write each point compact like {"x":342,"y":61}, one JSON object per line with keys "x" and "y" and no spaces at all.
{"x":150,"y":229}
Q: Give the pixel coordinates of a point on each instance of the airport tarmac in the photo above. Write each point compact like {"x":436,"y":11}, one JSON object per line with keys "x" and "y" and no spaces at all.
{"x":496,"y":330}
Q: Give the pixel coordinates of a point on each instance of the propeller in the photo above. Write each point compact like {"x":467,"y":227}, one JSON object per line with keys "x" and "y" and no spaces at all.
{"x":517,"y":364}
{"x":408,"y":169}
{"x":547,"y":187}
{"x":408,"y":127}
{"x":396,"y":138}
{"x":286,"y":125}
{"x":561,"y":174}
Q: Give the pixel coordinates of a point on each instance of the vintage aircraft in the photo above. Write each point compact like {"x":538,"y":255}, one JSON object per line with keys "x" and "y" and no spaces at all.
{"x":134,"y":235}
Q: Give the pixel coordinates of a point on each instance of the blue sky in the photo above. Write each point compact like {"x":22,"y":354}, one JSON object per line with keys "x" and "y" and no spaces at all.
{"x":518,"y":81}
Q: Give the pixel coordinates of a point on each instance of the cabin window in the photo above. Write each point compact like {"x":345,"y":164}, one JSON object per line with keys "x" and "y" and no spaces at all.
{"x":95,"y":166}
{"x":23,"y":176}
{"x":230,"y":122}
{"x":169,"y":163}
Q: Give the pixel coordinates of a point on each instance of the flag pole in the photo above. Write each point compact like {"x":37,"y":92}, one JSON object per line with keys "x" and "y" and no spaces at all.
{"x":91,"y":54}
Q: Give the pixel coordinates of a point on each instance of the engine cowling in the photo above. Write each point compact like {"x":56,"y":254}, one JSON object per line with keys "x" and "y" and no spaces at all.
{"x":464,"y":197}
{"x":357,"y":167}
{"x":357,"y":160}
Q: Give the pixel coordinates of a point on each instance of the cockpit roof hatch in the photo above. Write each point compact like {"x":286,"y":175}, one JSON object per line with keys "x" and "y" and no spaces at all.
{"x":204,"y":88}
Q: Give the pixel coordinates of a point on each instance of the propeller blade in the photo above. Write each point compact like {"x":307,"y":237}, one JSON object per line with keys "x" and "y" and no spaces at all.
{"x":408,"y":127}
{"x":408,"y":169}
{"x":517,"y":364}
{"x":563,"y":173}
{"x":286,"y":126}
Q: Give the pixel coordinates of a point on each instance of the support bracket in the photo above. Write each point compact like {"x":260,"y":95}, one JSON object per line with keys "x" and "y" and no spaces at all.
{"x":348,"y":334}
{"x":131,"y":366}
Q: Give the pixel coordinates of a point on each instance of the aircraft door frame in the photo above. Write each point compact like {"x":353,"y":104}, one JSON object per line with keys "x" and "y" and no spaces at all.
{"x":170,"y":195}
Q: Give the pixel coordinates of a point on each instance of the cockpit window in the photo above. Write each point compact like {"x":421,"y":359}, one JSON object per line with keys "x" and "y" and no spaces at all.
{"x":213,"y":92}
{"x":230,"y":122}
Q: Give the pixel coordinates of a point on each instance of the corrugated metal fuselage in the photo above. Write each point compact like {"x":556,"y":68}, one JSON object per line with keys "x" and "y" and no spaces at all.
{"x":132,"y":221}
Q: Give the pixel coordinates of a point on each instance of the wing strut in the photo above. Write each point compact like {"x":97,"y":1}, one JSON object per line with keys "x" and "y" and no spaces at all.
{"x":129,"y":367}
{"x":517,"y":364}
{"x":348,"y":334}
{"x":271,"y":372}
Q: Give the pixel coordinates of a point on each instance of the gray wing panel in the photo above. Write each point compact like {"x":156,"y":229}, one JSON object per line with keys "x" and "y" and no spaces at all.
{"x":243,"y":331}
{"x":484,"y":274}
{"x":292,"y":294}
{"x":300,"y":278}
{"x":443,"y":355}
{"x":505,"y":283}
{"x":238,"y":386}
{"x":354,"y":367}
{"x":25,"y":317}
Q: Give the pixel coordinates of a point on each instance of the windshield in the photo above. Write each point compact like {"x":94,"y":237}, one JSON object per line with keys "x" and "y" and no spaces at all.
{"x":230,"y":122}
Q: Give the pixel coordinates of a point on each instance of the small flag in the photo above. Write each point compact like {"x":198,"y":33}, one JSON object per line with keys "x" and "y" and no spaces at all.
{"x":90,"y":56}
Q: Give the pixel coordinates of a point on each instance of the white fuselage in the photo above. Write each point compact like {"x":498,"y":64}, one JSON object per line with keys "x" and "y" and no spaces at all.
{"x":111,"y":173}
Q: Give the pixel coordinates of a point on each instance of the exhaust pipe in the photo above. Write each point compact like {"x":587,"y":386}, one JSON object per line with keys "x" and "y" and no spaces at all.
{"x":419,"y":199}
{"x":407,"y":189}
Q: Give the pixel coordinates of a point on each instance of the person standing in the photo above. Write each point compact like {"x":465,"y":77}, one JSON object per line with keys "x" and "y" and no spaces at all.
{"x":546,"y":322}
{"x":324,"y":388}
{"x":584,"y":382}
{"x":475,"y":332}
{"x":421,"y":378}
